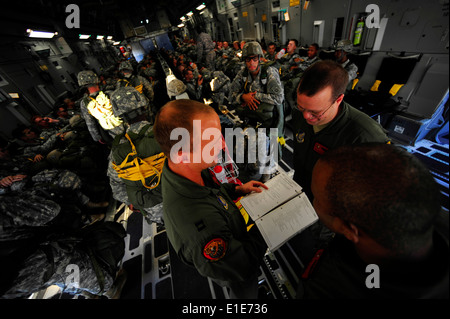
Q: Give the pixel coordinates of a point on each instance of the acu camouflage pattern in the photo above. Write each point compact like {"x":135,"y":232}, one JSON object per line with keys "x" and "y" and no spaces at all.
{"x":269,"y":91}
{"x":64,"y":179}
{"x":125,"y":65}
{"x":127,"y":99}
{"x":220,"y":87}
{"x":139,"y":83}
{"x":25,"y":209}
{"x":344,"y":45}
{"x":205,"y":51}
{"x":87,"y":78}
{"x":95,"y":251}
{"x":252,"y":48}
{"x":176,"y":87}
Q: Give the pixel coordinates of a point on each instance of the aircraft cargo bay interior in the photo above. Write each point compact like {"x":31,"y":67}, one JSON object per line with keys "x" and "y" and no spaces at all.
{"x":224,"y":149}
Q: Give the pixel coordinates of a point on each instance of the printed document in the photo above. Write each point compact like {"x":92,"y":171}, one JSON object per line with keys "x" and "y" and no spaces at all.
{"x":280,"y":212}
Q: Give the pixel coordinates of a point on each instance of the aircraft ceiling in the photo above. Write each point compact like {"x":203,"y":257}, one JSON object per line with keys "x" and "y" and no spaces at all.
{"x":101,"y":16}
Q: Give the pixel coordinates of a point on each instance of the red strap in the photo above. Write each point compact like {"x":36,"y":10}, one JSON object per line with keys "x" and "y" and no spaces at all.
{"x":312,"y":264}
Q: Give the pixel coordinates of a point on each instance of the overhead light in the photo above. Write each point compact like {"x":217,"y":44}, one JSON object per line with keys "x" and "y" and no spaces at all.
{"x":116,"y":43}
{"x":201,"y":7}
{"x":99,"y":37}
{"x":84,"y":36}
{"x":181,"y":25}
{"x":41,"y":34}
{"x":109,"y":37}
{"x":189,"y":13}
{"x":183,"y":18}
{"x":146,"y":20}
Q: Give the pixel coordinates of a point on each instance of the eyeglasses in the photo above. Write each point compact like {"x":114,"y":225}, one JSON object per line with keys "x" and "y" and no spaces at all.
{"x":316,"y":115}
{"x":252,"y":58}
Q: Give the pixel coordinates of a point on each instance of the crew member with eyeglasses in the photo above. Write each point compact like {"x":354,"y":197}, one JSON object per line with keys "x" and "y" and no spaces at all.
{"x":322,"y":119}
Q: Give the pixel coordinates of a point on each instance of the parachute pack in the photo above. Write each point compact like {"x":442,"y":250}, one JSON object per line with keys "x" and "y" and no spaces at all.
{"x":139,"y":163}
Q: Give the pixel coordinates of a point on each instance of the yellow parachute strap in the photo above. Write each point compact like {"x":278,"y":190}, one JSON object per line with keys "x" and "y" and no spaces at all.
{"x":281,"y":140}
{"x":355,"y":81}
{"x":395,"y":88}
{"x":127,"y":82}
{"x":139,"y":88}
{"x":375,"y":86}
{"x":244,"y":214}
{"x":151,"y":166}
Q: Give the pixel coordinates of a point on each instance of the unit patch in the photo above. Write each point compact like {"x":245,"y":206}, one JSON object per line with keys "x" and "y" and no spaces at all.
{"x":215,"y":249}
{"x":300,"y":137}
{"x":222,"y":201}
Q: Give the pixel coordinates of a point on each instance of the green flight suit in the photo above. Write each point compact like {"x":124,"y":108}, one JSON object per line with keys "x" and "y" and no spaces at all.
{"x":350,"y":126}
{"x":196,"y":216}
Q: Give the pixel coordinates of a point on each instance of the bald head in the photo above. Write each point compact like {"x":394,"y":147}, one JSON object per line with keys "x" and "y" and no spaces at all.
{"x":179,"y":114}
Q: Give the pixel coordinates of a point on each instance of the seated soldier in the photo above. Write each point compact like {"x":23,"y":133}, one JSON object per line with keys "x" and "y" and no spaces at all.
{"x":271,"y":53}
{"x":312,"y":57}
{"x":194,"y":87}
{"x":343,"y":48}
{"x":289,"y":61}
{"x":34,"y":148}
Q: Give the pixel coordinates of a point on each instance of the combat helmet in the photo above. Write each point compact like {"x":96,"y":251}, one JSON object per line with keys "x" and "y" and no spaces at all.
{"x":87,"y":78}
{"x":252,"y":48}
{"x":176,"y":87}
{"x":127,"y":102}
{"x":344,"y":45}
{"x":125,"y":65}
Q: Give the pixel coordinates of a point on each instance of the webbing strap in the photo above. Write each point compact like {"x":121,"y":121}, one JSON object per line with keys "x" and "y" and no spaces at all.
{"x":151,"y":166}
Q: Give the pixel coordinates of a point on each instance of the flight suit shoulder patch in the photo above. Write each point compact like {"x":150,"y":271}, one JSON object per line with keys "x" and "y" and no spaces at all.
{"x":215,"y":249}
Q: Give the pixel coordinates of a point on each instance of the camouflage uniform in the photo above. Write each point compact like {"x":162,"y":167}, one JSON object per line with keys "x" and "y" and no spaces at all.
{"x":177,"y":89}
{"x":18,"y":209}
{"x":86,"y":78}
{"x":350,"y":67}
{"x":138,"y":82}
{"x":286,"y":62}
{"x":92,"y":254}
{"x":220,"y":87}
{"x":270,"y":94}
{"x":291,"y":78}
{"x":62,"y":185}
{"x":40,"y":146}
{"x":127,"y":102}
{"x":307,"y":62}
{"x":194,"y":90}
{"x":205,"y":51}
